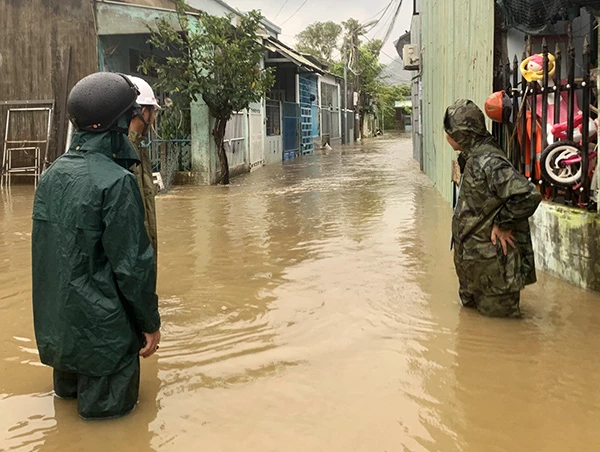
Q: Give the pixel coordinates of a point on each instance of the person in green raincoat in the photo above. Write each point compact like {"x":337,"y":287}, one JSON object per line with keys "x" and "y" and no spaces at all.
{"x":95,"y":306}
{"x":141,"y":122}
{"x":493,"y":253}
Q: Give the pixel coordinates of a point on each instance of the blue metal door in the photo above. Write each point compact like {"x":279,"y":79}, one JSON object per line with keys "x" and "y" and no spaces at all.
{"x":291,"y":130}
{"x":309,"y":110}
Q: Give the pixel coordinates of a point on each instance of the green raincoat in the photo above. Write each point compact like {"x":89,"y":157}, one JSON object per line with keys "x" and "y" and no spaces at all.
{"x":94,"y":281}
{"x":492,"y":192}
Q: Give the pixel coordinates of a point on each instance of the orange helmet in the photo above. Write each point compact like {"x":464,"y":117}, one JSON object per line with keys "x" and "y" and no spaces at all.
{"x":498,"y":107}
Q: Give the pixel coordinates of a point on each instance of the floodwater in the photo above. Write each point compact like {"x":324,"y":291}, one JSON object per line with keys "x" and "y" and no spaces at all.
{"x":312,"y":306}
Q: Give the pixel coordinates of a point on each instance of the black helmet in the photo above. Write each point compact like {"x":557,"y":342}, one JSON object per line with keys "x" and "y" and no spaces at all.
{"x":97,"y":101}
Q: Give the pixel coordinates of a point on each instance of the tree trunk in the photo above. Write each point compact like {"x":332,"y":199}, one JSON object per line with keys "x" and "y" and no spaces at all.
{"x":219,"y":136}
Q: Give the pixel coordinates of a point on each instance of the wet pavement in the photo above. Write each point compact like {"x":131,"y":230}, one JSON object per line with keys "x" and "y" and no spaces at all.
{"x":312,"y":306}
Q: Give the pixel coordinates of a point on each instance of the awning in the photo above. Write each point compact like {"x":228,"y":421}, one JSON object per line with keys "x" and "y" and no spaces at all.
{"x":291,"y":55}
{"x":403,"y":104}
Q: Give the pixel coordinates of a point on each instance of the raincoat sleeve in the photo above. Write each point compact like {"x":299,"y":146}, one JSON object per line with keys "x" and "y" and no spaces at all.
{"x":519,"y":196}
{"x":129,"y":252}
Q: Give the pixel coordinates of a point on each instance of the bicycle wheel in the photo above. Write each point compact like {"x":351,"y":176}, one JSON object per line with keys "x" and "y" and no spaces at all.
{"x":555,"y":168}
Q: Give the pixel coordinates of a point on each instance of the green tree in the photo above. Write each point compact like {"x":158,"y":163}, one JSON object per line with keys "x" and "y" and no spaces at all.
{"x":387,"y":97}
{"x":353,"y":29}
{"x":320,"y":40}
{"x":364,"y":69}
{"x":212,"y":59}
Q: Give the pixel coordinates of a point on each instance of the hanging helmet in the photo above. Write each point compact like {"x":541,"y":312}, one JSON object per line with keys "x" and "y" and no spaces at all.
{"x":146,"y":97}
{"x":498,"y":107}
{"x":97,"y":101}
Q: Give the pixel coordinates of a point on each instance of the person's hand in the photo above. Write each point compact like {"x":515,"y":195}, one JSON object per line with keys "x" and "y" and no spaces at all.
{"x":506,"y":238}
{"x":152,"y":341}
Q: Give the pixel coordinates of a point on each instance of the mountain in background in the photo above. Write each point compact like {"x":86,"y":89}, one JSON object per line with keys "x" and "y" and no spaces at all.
{"x":394,"y":74}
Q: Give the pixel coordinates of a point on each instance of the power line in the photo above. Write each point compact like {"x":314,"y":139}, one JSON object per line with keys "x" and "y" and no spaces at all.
{"x":381,"y":50}
{"x":280,"y":9}
{"x":392,"y":24}
{"x":380,"y":14}
{"x":295,"y":12}
{"x":386,"y":22}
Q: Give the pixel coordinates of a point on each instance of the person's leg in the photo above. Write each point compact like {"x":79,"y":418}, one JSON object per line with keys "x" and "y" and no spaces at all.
{"x":466,"y":299}
{"x":111,"y":396}
{"x":506,"y":305}
{"x":65,"y":384}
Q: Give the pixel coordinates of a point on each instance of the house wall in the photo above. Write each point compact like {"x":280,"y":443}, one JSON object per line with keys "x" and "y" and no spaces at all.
{"x":34,"y":43}
{"x":114,"y":52}
{"x":457,"y":61}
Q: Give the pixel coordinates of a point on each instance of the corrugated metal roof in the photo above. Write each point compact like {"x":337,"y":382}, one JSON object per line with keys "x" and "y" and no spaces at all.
{"x":299,"y":60}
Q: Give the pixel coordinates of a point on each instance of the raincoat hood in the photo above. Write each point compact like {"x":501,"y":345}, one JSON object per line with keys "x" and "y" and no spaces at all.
{"x":465,"y":123}
{"x":112,"y":144}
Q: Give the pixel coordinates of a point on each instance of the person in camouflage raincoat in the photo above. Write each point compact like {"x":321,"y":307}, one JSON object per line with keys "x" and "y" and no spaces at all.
{"x":141,"y":122}
{"x":493,"y":253}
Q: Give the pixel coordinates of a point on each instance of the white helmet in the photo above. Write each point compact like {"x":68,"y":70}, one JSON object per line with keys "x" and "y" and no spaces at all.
{"x":146,"y":97}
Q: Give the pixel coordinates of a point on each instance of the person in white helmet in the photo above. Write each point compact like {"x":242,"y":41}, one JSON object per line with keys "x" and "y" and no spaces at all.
{"x":141,"y":123}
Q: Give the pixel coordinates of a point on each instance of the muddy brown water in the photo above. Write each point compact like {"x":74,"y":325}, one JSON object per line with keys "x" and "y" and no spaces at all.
{"x":311,"y":306}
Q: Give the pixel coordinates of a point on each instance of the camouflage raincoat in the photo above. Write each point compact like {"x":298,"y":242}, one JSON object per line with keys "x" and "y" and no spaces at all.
{"x":143,"y":173}
{"x":492,"y":192}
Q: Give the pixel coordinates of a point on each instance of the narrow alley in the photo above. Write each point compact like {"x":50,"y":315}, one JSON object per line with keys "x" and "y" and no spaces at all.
{"x":312,"y":306}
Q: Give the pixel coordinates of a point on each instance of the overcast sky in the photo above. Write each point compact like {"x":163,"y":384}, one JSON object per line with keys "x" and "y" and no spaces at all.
{"x":335,"y":10}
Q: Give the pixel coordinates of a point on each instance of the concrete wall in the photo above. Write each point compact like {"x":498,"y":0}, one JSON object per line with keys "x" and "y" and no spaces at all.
{"x":204,"y":159}
{"x":35,"y":38}
{"x":567,"y":244}
{"x":203,"y":150}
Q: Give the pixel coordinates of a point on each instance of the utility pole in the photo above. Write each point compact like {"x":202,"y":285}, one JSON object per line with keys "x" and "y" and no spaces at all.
{"x":345,"y":116}
{"x":357,"y":131}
